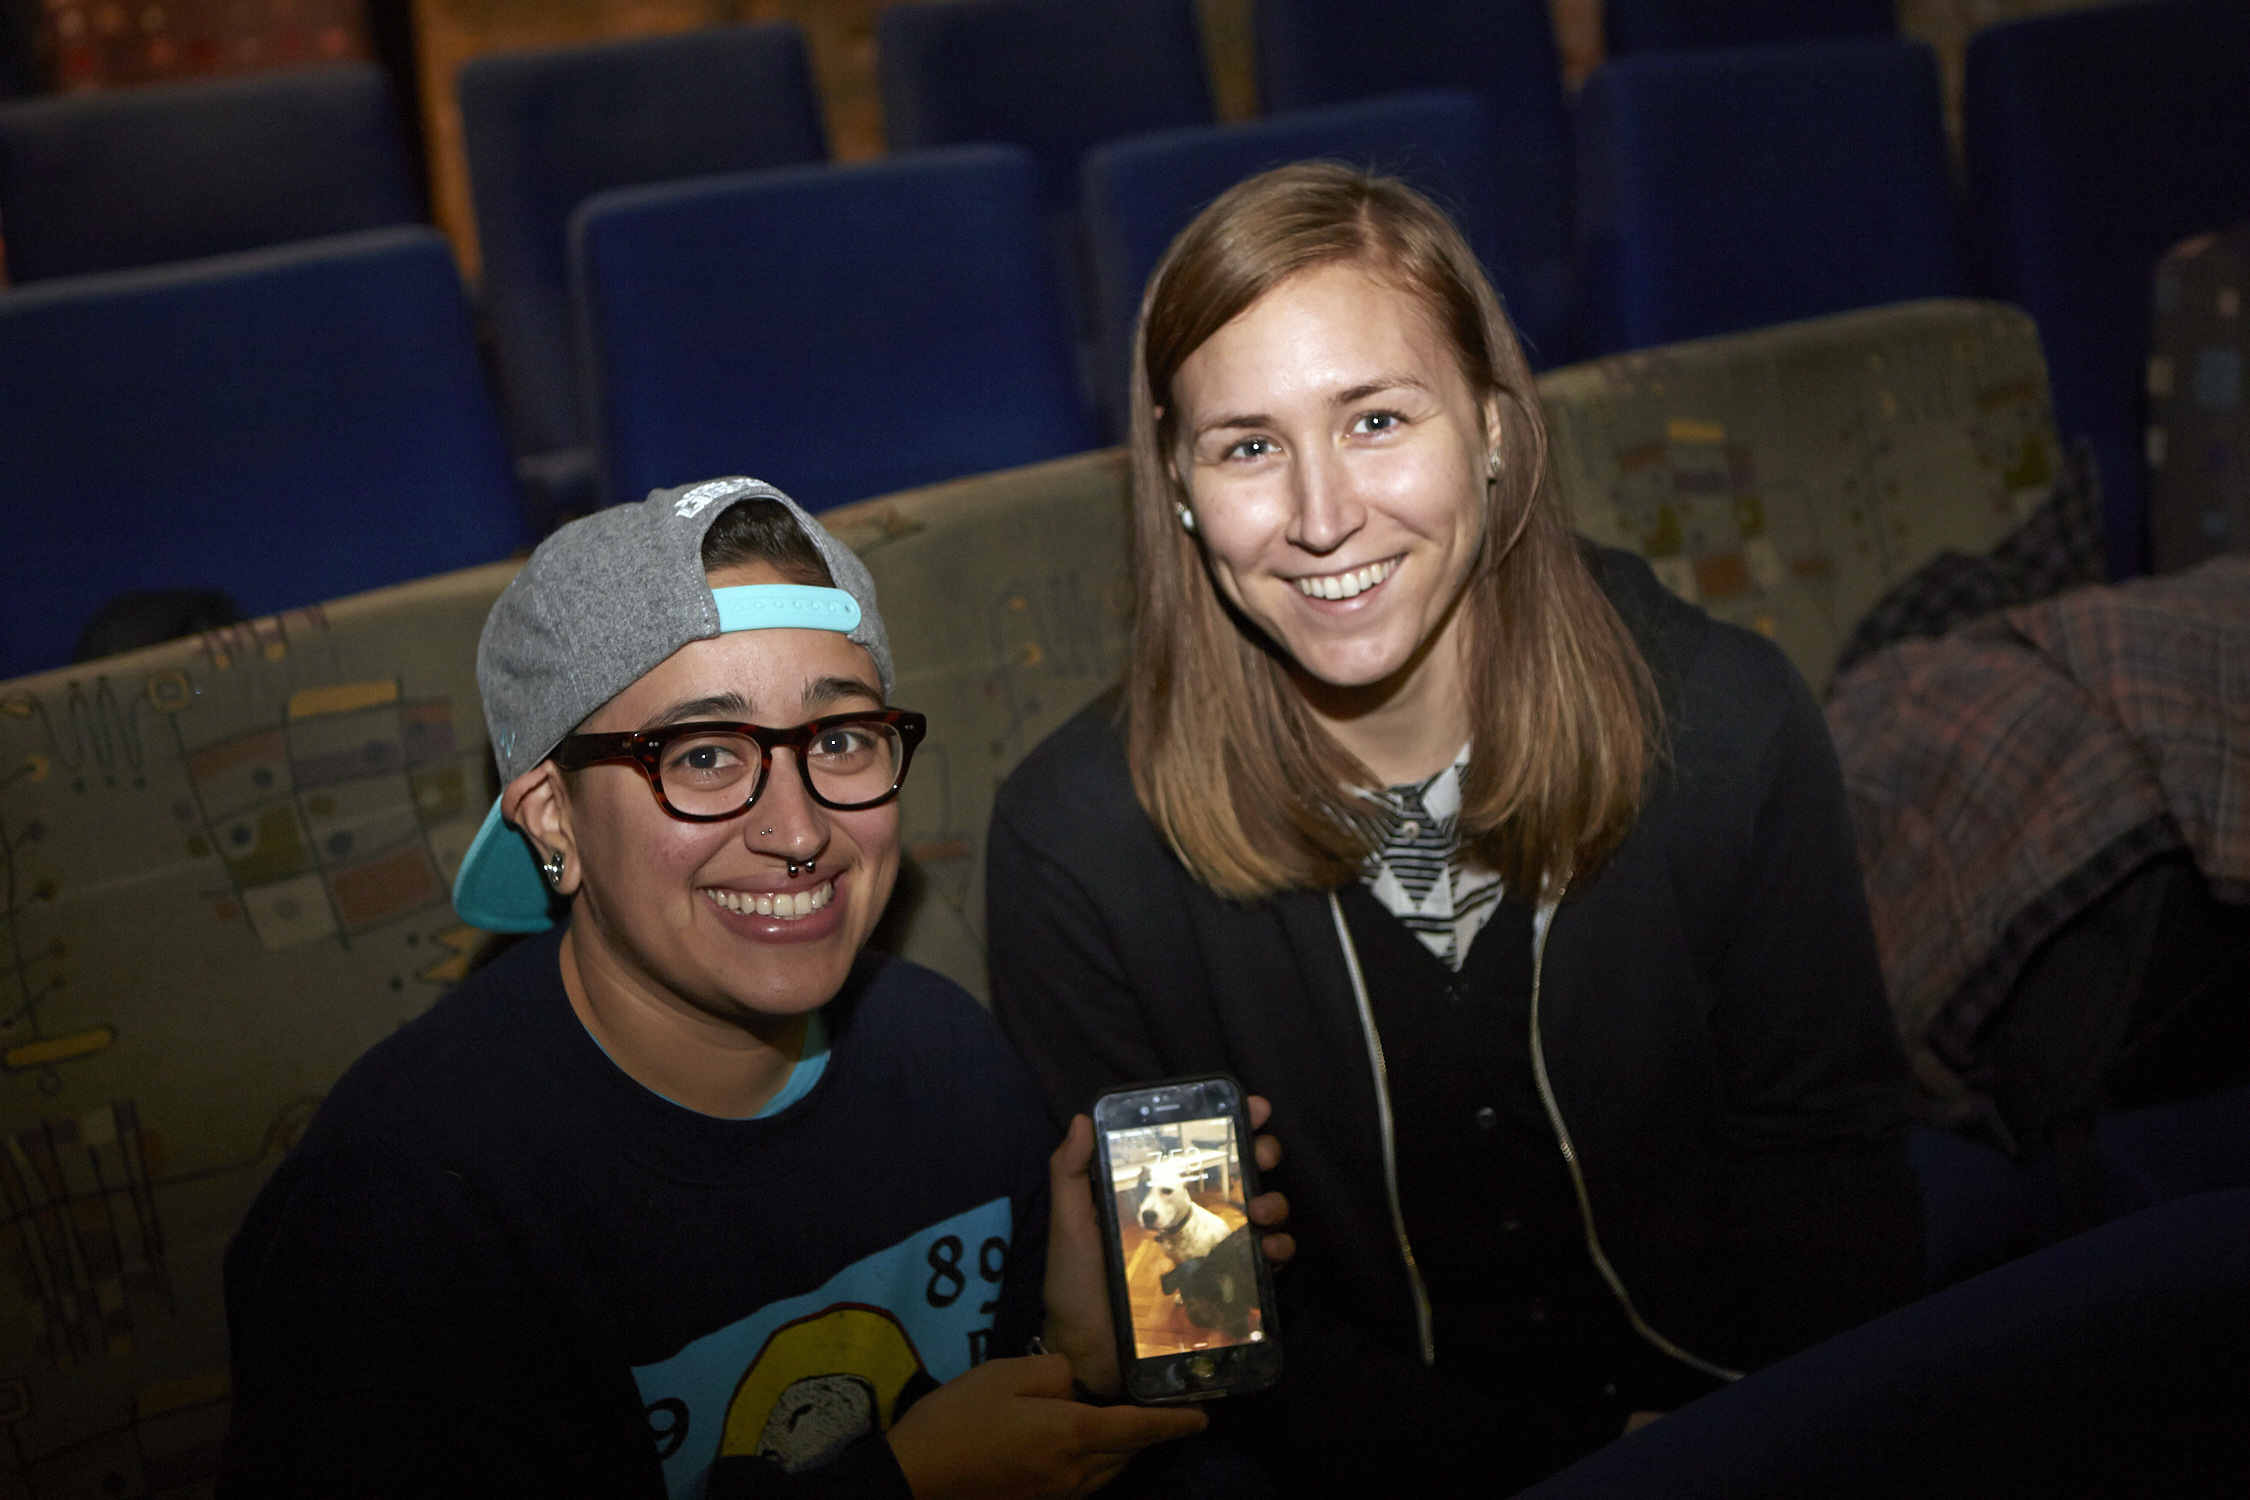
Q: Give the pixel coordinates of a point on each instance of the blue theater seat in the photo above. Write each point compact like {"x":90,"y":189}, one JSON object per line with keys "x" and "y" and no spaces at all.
{"x":1322,"y":52}
{"x":839,"y":331}
{"x":136,"y":177}
{"x":1630,"y":26}
{"x":1728,"y":189}
{"x":1141,"y":192}
{"x":288,"y":425}
{"x":2097,"y":139}
{"x":547,"y":130}
{"x":1053,"y":76}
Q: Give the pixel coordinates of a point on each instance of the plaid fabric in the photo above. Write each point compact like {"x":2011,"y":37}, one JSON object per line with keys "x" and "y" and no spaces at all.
{"x":2006,"y":776}
{"x":1421,"y":876}
{"x":2059,"y":547}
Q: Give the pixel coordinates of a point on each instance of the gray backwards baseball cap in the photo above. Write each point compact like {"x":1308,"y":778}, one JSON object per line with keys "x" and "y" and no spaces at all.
{"x":599,"y":604}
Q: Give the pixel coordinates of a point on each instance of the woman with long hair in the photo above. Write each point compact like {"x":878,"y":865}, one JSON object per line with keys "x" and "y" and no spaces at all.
{"x":1525,"y":891}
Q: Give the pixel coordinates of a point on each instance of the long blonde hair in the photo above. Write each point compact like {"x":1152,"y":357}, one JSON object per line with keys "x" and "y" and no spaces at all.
{"x":1252,"y":793}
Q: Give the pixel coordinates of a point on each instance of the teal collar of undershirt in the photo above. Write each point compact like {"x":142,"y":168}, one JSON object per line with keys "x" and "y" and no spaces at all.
{"x":803,"y":1074}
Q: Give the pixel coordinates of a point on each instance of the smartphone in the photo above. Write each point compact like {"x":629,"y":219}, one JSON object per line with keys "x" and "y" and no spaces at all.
{"x":1189,"y":1289}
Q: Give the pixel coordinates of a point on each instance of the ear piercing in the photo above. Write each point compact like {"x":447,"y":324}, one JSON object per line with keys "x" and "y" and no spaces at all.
{"x":1492,"y":466}
{"x":552,"y":868}
{"x":1187,"y":517}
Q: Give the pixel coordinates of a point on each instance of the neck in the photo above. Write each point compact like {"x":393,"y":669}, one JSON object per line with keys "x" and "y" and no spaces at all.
{"x":714,"y":1065}
{"x":1409,"y":726}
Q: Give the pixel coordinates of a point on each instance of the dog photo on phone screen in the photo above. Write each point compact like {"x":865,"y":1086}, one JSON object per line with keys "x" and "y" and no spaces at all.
{"x":1185,"y":1236}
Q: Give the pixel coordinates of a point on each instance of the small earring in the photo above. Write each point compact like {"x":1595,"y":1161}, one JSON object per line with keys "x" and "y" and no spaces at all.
{"x":1187,"y":517}
{"x":1492,"y":467}
{"x":552,"y":868}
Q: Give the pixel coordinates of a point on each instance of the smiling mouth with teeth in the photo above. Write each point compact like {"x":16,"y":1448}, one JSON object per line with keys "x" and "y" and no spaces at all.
{"x":1347,"y":585}
{"x":786,"y":905}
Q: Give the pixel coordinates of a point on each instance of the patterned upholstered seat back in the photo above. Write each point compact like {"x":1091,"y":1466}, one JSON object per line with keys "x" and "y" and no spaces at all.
{"x":1006,"y":599}
{"x":1785,"y":479}
{"x":225,"y":863}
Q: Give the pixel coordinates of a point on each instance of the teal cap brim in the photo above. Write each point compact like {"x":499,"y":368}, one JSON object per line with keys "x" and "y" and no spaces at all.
{"x":499,"y":888}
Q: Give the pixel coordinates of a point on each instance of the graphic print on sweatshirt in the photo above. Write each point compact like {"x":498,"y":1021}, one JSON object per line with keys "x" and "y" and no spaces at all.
{"x":800,"y":1379}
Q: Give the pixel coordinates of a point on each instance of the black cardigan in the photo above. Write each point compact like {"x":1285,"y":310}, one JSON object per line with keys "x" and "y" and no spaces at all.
{"x":1713,"y":1012}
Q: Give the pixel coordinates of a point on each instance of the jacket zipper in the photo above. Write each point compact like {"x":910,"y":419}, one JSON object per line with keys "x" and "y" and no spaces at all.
{"x":1426,"y":1340}
{"x":1541,"y":921}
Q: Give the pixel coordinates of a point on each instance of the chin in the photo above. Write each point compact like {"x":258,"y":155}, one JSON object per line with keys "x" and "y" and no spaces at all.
{"x":782,"y":990}
{"x":1349,"y":670}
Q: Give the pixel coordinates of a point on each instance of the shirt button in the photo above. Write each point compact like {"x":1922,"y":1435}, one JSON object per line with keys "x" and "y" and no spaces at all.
{"x":1409,"y":830}
{"x":1487,"y":1118}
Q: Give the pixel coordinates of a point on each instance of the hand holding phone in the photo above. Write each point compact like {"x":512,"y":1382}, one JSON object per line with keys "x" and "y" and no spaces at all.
{"x":1079,"y":1320}
{"x":1008,"y":1430}
{"x":1190,"y":1291}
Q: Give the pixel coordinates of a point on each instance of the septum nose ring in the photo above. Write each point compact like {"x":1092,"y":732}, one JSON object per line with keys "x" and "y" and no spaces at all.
{"x":793,"y":868}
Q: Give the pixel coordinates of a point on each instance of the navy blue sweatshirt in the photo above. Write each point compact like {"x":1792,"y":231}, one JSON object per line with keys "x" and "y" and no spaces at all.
{"x":497,"y":1265}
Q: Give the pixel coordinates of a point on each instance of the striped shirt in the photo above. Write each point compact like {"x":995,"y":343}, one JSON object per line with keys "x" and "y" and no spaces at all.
{"x":1421,"y":874}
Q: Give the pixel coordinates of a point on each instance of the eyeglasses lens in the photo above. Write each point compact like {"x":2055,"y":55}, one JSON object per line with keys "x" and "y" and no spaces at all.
{"x":715,"y":774}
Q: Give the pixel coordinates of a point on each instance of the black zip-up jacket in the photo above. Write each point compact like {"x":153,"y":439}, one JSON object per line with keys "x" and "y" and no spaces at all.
{"x":1713,"y":1019}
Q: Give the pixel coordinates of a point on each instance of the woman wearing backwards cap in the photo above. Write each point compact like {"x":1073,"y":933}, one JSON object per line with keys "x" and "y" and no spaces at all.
{"x":689,"y":1194}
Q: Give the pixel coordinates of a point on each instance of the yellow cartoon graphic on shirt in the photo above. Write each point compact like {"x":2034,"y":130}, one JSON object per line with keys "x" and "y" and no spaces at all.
{"x":797,"y":1380}
{"x":820,"y":1384}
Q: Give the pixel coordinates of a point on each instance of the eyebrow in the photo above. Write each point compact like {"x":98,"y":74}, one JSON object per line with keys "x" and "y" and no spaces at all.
{"x":1346,"y":397}
{"x":826,"y":690}
{"x":722,"y":705}
{"x":733,"y":707}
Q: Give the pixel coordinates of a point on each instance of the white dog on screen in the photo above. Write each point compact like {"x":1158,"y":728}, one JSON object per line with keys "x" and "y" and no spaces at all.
{"x":1211,"y":1276}
{"x":1185,"y":1229}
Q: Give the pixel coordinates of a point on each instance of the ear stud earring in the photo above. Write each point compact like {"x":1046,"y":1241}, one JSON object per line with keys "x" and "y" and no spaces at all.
{"x":552,"y":868}
{"x":1187,"y":518}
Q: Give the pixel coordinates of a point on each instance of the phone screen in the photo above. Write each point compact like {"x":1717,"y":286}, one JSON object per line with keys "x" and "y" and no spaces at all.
{"x":1185,"y":1236}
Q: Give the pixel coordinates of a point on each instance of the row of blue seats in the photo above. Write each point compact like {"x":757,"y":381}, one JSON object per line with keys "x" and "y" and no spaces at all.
{"x":853,"y":349}
{"x":1685,"y":193}
{"x":845,"y":331}
{"x":101,"y":183}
